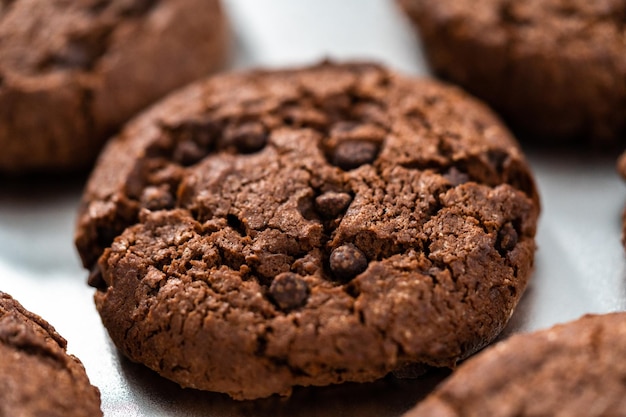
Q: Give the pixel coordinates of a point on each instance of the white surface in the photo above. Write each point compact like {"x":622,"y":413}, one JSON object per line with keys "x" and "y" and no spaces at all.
{"x":580,"y":264}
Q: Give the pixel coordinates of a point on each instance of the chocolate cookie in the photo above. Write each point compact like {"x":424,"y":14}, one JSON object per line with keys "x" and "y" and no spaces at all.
{"x":37,"y":376}
{"x":262,"y":230}
{"x":574,"y":369}
{"x":553,"y":68}
{"x":71,"y":72}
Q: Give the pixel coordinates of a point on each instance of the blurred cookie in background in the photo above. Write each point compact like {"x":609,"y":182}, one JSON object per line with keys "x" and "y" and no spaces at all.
{"x":554,"y":69}
{"x":72,"y":71}
{"x":575,"y":369}
{"x":37,"y":376}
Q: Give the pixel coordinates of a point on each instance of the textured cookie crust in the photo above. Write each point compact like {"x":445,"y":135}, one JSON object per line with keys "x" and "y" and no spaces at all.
{"x":262,"y":230}
{"x":72,"y":71}
{"x":574,"y":370}
{"x":37,"y":376}
{"x":554,"y":68}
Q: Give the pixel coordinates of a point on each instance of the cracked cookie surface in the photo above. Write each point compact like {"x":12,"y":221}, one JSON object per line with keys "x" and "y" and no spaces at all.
{"x":554,"y":68}
{"x":268,"y":229}
{"x":71,"y":72}
{"x":39,"y":378}
{"x":574,"y":369}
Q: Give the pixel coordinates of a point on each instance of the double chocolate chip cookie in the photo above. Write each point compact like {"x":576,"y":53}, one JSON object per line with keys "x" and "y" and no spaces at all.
{"x":71,"y":72}
{"x":267,"y":229}
{"x":37,"y":376}
{"x":553,"y":68}
{"x":575,"y":369}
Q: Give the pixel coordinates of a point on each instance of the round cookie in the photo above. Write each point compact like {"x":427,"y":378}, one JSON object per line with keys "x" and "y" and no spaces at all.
{"x":575,"y":369}
{"x":553,"y":68}
{"x":71,"y":72}
{"x":38,"y":377}
{"x":267,"y":229}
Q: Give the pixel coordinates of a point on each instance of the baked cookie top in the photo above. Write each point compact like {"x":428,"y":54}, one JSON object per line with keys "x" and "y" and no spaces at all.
{"x":307,"y":226}
{"x":38,"y":377}
{"x":71,"y":71}
{"x":573,"y":369}
{"x":552,"y":67}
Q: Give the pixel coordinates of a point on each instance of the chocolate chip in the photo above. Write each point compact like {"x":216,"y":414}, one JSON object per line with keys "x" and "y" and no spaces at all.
{"x":331,"y":204}
{"x":157,"y":198}
{"x":245,"y":138}
{"x":507,"y":238}
{"x":497,"y":159}
{"x":95,"y":279}
{"x":188,"y":153}
{"x":202,"y":132}
{"x":352,"y":154}
{"x":289,"y":291}
{"x":347,"y":261}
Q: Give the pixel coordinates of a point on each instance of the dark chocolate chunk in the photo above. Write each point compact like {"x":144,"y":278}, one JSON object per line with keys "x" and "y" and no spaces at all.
{"x":331,"y":204}
{"x":352,"y":154}
{"x":188,"y":153}
{"x":497,"y":158}
{"x":95,"y":278}
{"x":200,"y":131}
{"x":289,"y":291}
{"x":347,"y":261}
{"x":246,"y":138}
